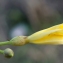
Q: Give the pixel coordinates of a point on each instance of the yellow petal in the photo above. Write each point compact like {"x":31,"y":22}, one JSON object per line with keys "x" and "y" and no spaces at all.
{"x":52,"y":35}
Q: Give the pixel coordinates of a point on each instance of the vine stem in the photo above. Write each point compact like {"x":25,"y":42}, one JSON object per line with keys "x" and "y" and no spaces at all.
{"x":5,"y":43}
{"x":2,"y":51}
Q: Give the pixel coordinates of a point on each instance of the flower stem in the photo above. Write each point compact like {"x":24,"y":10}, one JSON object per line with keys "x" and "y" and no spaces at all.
{"x":5,"y":43}
{"x":2,"y":51}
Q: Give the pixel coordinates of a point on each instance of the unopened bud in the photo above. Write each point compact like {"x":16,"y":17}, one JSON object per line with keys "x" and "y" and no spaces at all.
{"x":8,"y":53}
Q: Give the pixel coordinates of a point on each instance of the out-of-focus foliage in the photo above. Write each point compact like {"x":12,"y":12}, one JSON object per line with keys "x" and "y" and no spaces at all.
{"x":33,"y":15}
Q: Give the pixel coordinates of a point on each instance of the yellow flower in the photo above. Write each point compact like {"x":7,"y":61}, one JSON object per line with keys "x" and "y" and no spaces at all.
{"x":52,"y":35}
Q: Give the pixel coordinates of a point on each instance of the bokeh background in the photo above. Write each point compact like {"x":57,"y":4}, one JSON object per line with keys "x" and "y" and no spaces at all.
{"x":24,"y":17}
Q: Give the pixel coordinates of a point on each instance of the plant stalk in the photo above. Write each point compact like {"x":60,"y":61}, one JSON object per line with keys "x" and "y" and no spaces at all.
{"x":2,"y":51}
{"x":5,"y":43}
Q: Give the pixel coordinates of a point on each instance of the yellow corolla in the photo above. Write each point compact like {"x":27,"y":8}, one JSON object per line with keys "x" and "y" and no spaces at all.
{"x":52,"y":36}
{"x":49,"y":36}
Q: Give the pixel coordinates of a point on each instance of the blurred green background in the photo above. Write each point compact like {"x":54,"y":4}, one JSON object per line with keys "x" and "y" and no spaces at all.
{"x":24,"y":17}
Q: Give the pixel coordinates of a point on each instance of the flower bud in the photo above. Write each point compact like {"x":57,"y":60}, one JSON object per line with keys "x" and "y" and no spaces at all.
{"x":8,"y":53}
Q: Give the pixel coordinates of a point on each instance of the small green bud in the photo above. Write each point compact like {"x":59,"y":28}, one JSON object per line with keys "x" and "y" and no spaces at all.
{"x":8,"y":53}
{"x":18,"y":41}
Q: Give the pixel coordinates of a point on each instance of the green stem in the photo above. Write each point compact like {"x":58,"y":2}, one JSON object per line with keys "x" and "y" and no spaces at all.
{"x":2,"y":51}
{"x":5,"y":43}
